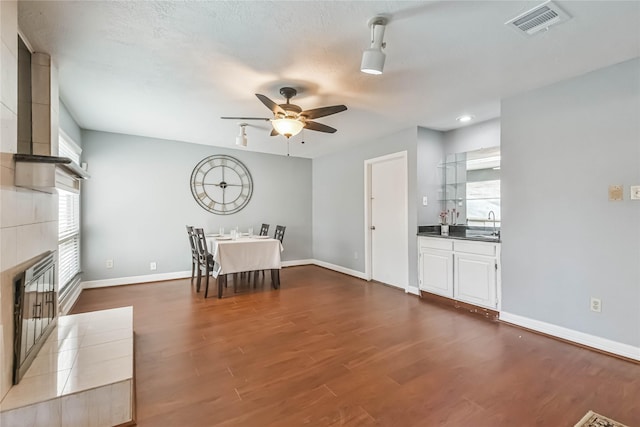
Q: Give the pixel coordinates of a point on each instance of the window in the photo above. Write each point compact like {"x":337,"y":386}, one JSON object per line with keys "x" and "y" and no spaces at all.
{"x":483,"y":197}
{"x":68,"y":223}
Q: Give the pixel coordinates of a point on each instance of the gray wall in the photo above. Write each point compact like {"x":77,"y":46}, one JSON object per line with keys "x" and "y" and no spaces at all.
{"x":338,"y":201}
{"x":138,"y":201}
{"x":563,"y":241}
{"x":474,"y":137}
{"x":433,"y":146}
{"x":68,"y":124}
{"x":430,"y":152}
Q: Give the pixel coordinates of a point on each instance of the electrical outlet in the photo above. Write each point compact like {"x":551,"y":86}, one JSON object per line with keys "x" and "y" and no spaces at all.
{"x":153,"y":266}
{"x":109,"y":263}
{"x":355,"y":255}
{"x":425,"y":201}
{"x":596,"y":305}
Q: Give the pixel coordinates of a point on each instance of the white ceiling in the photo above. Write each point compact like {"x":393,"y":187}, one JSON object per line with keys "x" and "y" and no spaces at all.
{"x":171,"y":69}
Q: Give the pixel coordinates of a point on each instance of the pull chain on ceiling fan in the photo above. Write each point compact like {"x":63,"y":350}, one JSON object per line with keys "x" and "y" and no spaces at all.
{"x":289,"y":119}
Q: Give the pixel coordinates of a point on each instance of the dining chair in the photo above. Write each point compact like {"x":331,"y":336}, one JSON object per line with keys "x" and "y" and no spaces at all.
{"x":195,"y":263}
{"x":206,"y":263}
{"x":279,"y":234}
{"x":264,"y":230}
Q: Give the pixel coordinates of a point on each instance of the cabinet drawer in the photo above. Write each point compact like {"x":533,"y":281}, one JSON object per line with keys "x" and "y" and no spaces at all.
{"x":436,"y":243}
{"x":476,"y":248}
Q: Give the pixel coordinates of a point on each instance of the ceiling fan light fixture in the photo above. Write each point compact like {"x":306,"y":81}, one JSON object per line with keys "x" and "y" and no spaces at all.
{"x":373,"y":58}
{"x":241,"y":140}
{"x":287,"y":127}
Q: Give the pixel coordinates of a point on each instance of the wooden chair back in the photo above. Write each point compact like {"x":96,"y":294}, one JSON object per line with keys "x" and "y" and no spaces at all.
{"x":264,"y":230}
{"x":279,"y":234}
{"x":192,"y":243}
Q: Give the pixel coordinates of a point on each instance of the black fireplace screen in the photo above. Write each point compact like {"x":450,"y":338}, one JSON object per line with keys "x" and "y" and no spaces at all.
{"x":34,"y":311}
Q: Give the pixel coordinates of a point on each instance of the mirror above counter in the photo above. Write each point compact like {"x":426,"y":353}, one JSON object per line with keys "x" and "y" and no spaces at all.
{"x":471,"y":188}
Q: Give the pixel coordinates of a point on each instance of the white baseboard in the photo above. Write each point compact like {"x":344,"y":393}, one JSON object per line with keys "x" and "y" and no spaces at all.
{"x":118,"y":281}
{"x":412,"y":290}
{"x":132,"y":280}
{"x":66,"y":304}
{"x":593,"y":341}
{"x":296,"y":262}
{"x":340,"y":269}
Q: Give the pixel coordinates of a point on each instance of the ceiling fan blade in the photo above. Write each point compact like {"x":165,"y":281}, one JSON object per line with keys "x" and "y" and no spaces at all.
{"x":274,"y":133}
{"x":319,"y":127}
{"x":245,"y":118}
{"x":323,"y":111}
{"x":275,"y":108}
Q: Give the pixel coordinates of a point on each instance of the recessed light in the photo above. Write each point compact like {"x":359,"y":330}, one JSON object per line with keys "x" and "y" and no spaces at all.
{"x":465,"y":118}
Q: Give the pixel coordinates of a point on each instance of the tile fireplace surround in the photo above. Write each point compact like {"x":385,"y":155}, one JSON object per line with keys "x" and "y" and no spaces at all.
{"x":82,"y":376}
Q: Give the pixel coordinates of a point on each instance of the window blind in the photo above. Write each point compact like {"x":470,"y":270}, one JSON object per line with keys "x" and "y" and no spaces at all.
{"x":68,"y":214}
{"x":68,"y":223}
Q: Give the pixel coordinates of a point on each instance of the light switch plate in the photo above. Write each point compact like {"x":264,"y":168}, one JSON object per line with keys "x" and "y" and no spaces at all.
{"x":634,"y":192}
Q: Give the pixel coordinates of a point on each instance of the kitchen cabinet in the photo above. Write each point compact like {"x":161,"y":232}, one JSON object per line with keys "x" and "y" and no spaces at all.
{"x":436,"y":271}
{"x":464,"y":270}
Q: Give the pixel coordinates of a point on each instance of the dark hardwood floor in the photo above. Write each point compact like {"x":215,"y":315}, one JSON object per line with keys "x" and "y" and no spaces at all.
{"x":330,"y":350}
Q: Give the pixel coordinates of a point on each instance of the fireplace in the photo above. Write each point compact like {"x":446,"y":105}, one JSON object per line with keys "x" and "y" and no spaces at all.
{"x":35,"y":311}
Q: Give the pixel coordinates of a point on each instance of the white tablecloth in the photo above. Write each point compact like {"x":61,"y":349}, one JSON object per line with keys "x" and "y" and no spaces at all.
{"x":246,"y":254}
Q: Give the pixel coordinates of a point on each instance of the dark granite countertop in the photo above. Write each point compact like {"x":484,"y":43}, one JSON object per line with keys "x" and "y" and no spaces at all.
{"x":481,"y":234}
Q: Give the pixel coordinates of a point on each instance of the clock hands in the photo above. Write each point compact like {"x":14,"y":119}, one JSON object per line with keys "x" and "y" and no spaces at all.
{"x":222,"y":184}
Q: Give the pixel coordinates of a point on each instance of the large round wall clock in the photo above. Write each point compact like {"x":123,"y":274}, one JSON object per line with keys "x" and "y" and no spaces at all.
{"x":221,"y":184}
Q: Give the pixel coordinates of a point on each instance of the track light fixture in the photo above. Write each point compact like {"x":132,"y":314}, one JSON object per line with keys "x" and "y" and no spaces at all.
{"x":373,"y":58}
{"x":241,"y":140}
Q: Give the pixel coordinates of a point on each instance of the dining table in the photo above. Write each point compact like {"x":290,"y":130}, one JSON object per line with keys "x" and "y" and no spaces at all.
{"x":245,"y":254}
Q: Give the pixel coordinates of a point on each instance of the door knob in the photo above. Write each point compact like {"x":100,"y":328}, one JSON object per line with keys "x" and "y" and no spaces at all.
{"x":373,"y":227}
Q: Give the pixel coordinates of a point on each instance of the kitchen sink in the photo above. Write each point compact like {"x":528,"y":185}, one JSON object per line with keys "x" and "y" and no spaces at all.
{"x":483,"y":236}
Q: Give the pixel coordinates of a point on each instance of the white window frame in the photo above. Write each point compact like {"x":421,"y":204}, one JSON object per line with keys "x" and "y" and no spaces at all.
{"x":69,"y":239}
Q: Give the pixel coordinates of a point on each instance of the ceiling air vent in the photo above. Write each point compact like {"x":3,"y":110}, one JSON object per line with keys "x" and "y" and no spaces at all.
{"x":539,"y":18}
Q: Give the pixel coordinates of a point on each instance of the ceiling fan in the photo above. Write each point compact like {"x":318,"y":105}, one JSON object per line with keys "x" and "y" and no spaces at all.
{"x":289,"y":119}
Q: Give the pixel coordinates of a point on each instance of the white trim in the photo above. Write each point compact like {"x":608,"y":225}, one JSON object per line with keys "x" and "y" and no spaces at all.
{"x":414,"y":290}
{"x":341,"y":269}
{"x":296,"y":262}
{"x":132,"y":280}
{"x":70,"y":141}
{"x":571,"y":335}
{"x":367,"y":210}
{"x":26,"y":41}
{"x":66,"y":303}
{"x":367,"y":220}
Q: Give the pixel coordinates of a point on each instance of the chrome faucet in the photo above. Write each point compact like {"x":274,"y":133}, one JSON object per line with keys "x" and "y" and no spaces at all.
{"x":494,"y":222}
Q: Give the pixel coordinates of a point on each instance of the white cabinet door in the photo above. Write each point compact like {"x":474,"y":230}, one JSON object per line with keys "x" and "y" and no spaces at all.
{"x":436,"y":271}
{"x":475,"y":279}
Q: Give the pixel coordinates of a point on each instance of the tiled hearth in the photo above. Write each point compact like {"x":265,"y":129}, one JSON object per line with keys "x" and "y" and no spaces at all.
{"x":82,"y":376}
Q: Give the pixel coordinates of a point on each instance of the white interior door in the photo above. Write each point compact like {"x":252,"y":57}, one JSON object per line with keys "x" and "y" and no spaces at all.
{"x":389,"y":247}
